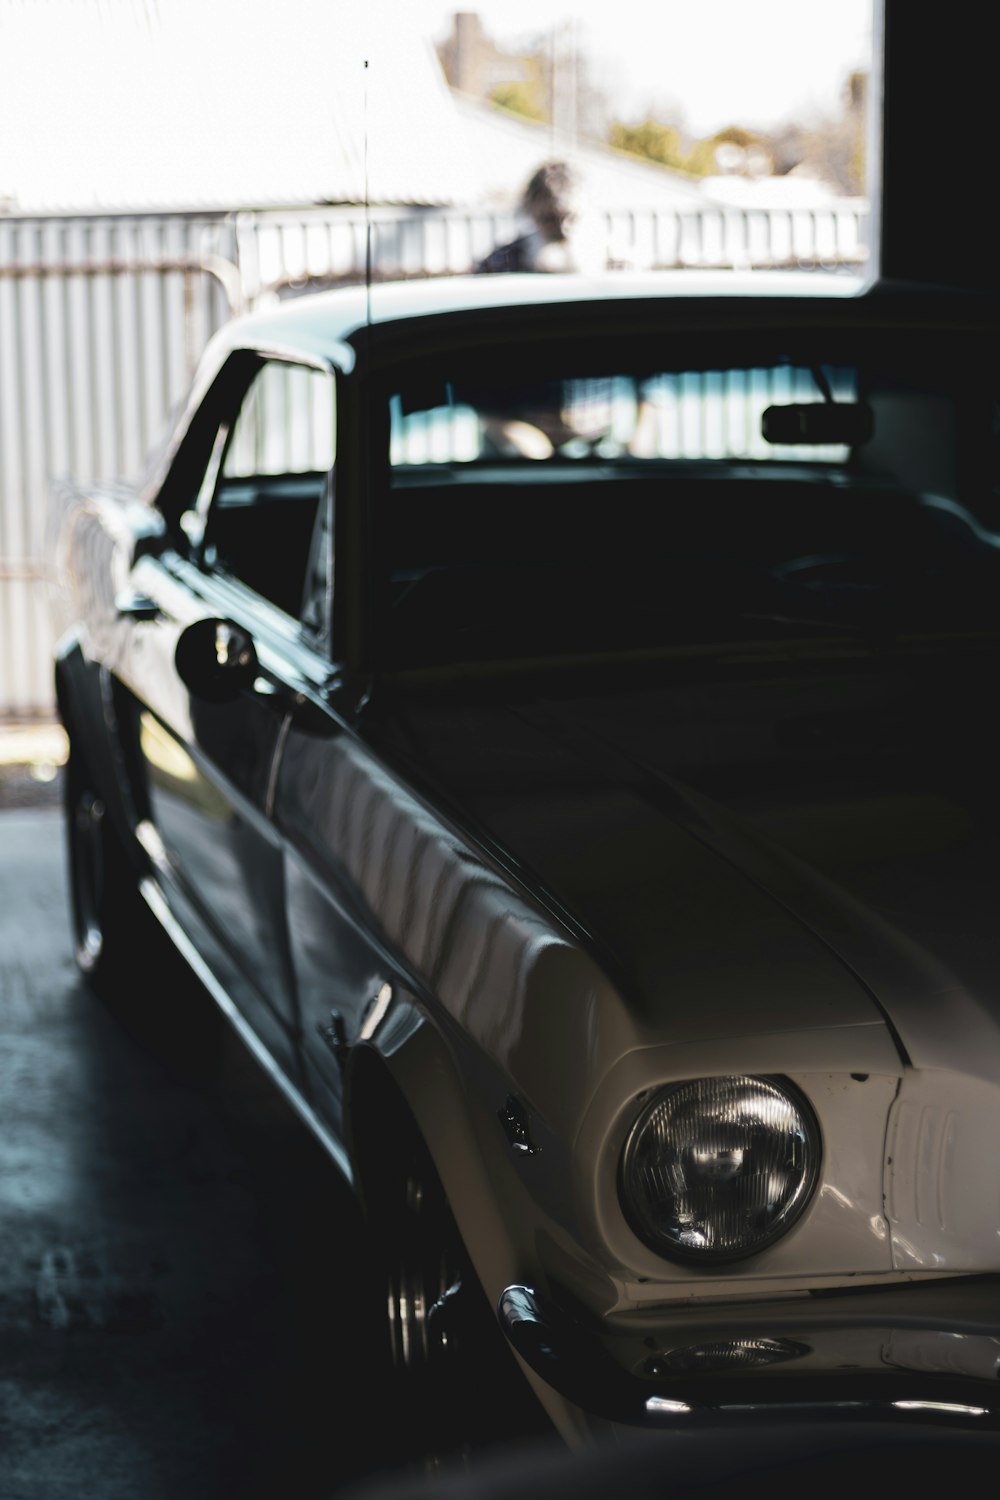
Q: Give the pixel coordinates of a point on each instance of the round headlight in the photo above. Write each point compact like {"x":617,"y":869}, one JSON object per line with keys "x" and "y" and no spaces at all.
{"x":717,"y":1168}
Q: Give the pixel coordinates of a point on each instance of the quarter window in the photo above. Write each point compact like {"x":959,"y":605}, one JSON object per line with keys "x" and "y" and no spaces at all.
{"x":267,"y":514}
{"x":285,"y":425}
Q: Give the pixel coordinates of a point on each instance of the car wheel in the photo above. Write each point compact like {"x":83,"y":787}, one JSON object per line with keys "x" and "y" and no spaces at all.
{"x":110,"y":920}
{"x":424,"y":1294}
{"x":457,"y":1380}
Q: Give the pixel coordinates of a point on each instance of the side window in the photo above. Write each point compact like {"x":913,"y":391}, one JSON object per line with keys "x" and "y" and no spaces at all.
{"x":284,"y":425}
{"x":273,"y":485}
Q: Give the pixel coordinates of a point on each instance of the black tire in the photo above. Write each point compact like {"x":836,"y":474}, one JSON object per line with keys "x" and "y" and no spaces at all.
{"x":112,"y":926}
{"x":456,"y":1382}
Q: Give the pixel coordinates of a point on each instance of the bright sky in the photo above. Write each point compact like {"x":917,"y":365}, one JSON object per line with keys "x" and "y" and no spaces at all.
{"x":134,"y":85}
{"x":753,"y":62}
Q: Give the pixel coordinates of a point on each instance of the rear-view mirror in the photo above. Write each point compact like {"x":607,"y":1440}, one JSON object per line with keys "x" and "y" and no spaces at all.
{"x":818,"y":422}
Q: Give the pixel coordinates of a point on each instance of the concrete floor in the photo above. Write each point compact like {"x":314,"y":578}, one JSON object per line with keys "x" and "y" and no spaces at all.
{"x":184,"y":1309}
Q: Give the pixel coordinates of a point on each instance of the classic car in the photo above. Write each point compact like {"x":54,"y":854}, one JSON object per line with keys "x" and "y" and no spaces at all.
{"x":556,"y":724}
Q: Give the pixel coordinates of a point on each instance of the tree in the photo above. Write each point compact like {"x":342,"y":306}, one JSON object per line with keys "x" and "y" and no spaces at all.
{"x":831,"y":149}
{"x":524,"y":96}
{"x":651,"y":139}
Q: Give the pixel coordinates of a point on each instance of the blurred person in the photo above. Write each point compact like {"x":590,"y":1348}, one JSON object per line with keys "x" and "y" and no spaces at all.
{"x":560,"y":238}
{"x":531,"y":421}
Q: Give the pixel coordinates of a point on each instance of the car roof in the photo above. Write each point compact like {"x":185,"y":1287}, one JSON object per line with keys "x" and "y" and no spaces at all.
{"x":322,"y":321}
{"x":396,"y":318}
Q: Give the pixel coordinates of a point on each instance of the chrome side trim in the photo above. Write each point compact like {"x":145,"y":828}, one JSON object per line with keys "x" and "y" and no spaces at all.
{"x":272,"y":779}
{"x":376,"y":1014}
{"x":161,"y":911}
{"x":149,"y":840}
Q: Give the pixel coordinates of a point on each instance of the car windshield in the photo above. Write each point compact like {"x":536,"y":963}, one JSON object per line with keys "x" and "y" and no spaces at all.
{"x":590,"y":509}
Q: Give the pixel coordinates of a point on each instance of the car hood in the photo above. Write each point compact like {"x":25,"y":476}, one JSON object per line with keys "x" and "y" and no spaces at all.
{"x":763,"y":852}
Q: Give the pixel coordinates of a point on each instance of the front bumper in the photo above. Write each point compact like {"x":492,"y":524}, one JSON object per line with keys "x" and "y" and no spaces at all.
{"x":920,"y":1354}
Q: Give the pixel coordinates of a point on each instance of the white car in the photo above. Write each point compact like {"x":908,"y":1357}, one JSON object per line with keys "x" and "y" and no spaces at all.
{"x":558,"y":728}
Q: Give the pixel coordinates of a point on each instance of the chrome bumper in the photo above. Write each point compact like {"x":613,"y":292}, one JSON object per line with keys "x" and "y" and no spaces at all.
{"x":926,"y":1354}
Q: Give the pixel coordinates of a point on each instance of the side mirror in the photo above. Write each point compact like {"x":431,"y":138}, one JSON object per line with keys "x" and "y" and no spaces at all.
{"x":216,"y":660}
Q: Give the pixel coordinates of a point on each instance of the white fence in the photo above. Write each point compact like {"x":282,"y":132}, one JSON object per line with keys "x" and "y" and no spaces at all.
{"x":101,"y":322}
{"x":103,"y":319}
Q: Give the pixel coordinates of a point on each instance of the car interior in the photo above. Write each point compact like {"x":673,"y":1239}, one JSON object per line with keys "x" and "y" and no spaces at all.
{"x":247,"y":518}
{"x":266,"y":481}
{"x":686,"y":510}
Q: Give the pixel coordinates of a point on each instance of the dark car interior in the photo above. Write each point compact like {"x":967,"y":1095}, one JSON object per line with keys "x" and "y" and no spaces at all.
{"x":643,"y":561}
{"x":753,"y":517}
{"x":260,"y":531}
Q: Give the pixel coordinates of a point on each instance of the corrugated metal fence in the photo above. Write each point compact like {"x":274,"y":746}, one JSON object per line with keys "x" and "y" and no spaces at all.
{"x":102,"y":321}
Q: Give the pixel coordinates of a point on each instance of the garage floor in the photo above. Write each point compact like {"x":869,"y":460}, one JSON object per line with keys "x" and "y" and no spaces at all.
{"x":182,"y":1295}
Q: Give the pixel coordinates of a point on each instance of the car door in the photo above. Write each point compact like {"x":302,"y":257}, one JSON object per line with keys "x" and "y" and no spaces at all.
{"x":345,"y":978}
{"x":328,"y":791}
{"x":219,"y":645}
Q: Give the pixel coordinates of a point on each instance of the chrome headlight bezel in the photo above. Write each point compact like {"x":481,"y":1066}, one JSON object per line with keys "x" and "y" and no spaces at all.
{"x":792,"y":1206}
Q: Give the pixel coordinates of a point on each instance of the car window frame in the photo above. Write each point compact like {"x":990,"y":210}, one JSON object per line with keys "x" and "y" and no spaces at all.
{"x":202,"y":448}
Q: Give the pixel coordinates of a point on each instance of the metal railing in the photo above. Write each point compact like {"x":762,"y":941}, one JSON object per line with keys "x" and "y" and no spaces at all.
{"x":328,"y":246}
